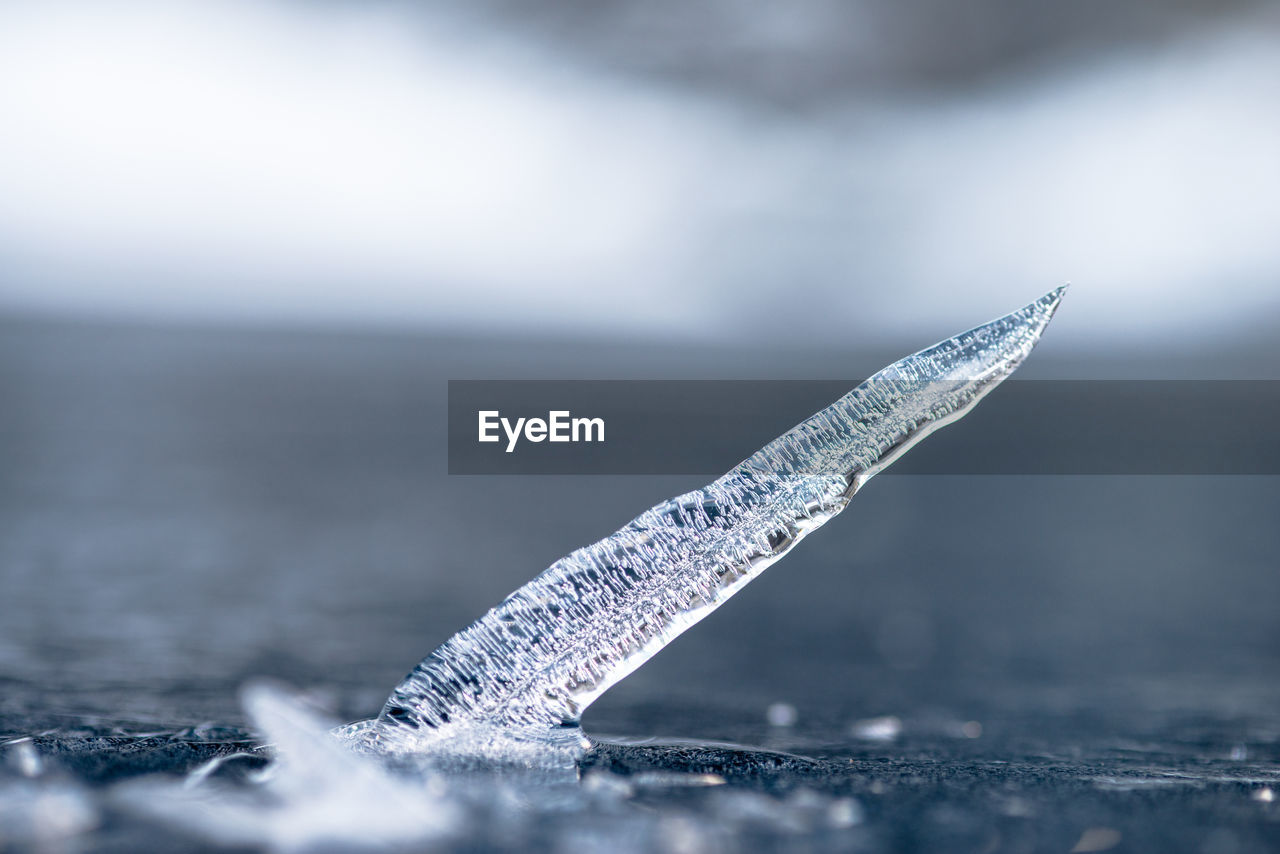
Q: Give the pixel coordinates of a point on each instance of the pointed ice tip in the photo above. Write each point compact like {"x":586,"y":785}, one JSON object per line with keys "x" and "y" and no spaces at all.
{"x":1048,"y":303}
{"x":1040,"y":312}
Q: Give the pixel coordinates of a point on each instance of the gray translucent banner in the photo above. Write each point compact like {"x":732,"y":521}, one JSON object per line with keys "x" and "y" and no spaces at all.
{"x":705,"y":427}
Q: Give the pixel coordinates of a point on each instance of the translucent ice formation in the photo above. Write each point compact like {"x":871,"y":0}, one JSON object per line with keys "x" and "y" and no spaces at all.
{"x":529,"y":667}
{"x":315,"y":795}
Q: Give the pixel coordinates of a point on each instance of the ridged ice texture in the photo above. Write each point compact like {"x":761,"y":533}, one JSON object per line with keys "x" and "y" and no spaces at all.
{"x":536,"y":661}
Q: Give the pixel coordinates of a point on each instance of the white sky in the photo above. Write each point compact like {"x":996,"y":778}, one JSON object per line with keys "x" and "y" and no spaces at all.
{"x":341,"y":165}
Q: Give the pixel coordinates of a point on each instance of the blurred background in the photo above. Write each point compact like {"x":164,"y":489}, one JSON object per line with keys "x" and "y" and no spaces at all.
{"x":814,"y":172}
{"x":243,"y":246}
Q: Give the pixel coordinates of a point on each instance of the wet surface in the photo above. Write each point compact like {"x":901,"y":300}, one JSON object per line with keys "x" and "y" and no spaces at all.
{"x":970,"y":663}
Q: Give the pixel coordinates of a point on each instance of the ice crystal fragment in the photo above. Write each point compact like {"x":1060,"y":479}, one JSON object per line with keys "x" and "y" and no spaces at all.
{"x":529,"y":667}
{"x":316,"y":795}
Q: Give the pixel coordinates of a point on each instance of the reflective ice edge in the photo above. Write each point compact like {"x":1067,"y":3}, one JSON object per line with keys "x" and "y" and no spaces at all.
{"x":520,"y":677}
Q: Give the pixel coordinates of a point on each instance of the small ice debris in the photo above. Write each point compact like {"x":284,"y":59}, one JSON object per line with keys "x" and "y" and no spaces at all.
{"x":1264,"y":795}
{"x":203,"y":771}
{"x":781,"y":715}
{"x":844,"y":813}
{"x":801,"y":811}
{"x":1130,"y":784}
{"x":318,"y":794}
{"x":971,"y":729}
{"x":885,"y":728}
{"x":526,"y":670}
{"x":40,"y":815}
{"x":683,"y":835}
{"x":23,"y":756}
{"x":1097,"y":839}
{"x":1016,"y":807}
{"x":677,"y":779}
{"x":606,"y":783}
{"x":1239,"y":753}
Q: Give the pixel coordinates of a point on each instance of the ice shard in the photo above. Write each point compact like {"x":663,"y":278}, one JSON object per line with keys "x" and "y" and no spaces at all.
{"x":529,"y":667}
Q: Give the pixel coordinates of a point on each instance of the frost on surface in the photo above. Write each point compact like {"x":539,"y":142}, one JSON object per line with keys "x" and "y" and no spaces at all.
{"x":316,"y":795}
{"x":529,"y":667}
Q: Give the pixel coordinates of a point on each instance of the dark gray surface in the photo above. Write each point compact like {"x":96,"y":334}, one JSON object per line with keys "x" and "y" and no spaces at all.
{"x":184,"y":509}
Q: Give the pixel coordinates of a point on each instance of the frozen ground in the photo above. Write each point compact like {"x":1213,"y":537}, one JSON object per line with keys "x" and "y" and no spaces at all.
{"x":1065,"y":662}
